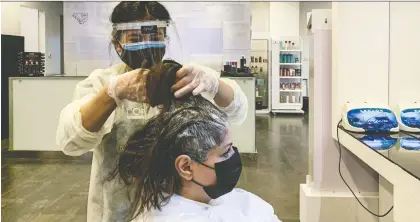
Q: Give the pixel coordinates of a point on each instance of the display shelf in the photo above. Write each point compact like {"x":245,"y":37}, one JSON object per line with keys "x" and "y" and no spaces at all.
{"x":261,"y":49}
{"x":299,"y":111}
{"x":291,"y":64}
{"x":265,"y":111}
{"x":288,"y":59}
{"x":290,"y":104}
{"x":290,"y":77}
{"x":290,"y":90}
{"x":290,"y":50}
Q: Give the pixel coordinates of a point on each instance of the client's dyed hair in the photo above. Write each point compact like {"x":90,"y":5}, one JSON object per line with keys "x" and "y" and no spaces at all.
{"x":191,"y":125}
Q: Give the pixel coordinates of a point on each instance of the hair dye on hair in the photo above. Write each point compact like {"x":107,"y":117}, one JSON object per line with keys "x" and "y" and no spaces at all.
{"x":189,"y":126}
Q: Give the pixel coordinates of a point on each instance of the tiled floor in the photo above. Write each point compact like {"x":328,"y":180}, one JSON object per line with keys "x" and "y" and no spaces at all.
{"x":57,"y":191}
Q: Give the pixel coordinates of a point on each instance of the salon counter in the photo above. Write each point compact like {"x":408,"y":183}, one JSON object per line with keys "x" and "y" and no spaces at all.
{"x":244,"y":135}
{"x":35,"y":104}
{"x":396,"y":158}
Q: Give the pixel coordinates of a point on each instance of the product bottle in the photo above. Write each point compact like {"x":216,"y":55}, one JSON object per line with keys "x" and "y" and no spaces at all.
{"x":256,"y":69}
{"x":252,"y":58}
{"x":261,"y":69}
{"x":243,"y":61}
{"x":293,"y":45}
{"x":256,"y":92}
{"x":260,"y":60}
{"x":37,"y":73}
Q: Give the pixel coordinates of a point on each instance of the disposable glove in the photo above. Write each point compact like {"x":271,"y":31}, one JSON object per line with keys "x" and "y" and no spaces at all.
{"x":130,"y":86}
{"x":197,"y":79}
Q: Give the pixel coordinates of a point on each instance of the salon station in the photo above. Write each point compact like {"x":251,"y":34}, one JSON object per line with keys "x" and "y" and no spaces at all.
{"x":332,"y":129}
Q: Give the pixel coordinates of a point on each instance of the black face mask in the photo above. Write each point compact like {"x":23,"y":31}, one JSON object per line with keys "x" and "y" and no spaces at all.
{"x":227,"y":176}
{"x":143,"y":58}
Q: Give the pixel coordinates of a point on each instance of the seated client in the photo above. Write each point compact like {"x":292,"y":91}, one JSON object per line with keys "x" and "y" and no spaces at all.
{"x":182,"y":166}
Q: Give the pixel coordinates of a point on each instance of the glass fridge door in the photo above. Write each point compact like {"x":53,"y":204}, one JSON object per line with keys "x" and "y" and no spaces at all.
{"x":260,"y":68}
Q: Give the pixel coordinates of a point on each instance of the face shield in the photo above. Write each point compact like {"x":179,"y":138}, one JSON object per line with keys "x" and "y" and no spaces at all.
{"x":144,"y":44}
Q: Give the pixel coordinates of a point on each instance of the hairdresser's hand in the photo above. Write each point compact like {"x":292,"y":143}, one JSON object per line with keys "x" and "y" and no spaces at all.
{"x":196,"y":79}
{"x":130,"y":86}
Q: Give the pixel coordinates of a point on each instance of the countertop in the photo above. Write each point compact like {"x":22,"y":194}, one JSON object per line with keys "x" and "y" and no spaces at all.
{"x":47,"y":77}
{"x":239,"y":77}
{"x":83,"y":77}
{"x":402,"y":149}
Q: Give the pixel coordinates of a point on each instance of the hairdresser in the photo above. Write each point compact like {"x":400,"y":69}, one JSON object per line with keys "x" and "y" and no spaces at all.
{"x":110,"y":104}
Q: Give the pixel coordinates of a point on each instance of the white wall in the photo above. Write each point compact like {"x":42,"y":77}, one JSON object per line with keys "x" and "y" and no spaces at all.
{"x":404,"y":74}
{"x":284,"y":19}
{"x":360,"y":54}
{"x":10,"y":25}
{"x":260,"y":17}
{"x":202,"y":28}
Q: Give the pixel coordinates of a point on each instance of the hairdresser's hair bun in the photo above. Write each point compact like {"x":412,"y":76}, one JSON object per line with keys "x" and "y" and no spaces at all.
{"x":159,"y":82}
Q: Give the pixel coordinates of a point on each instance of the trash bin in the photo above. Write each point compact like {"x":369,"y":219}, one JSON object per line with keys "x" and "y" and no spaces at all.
{"x":305,"y":106}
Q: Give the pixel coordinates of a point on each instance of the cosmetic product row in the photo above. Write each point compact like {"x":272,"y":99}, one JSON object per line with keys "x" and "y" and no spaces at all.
{"x":288,"y":58}
{"x":289,"y":99}
{"x":258,"y":60}
{"x":289,"y":72}
{"x":290,"y":86}
{"x":232,"y":66}
{"x":256,"y":69}
{"x":257,"y":92}
{"x":287,"y":45}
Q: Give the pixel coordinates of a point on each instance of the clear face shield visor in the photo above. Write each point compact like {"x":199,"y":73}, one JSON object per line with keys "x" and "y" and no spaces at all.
{"x":144,"y":44}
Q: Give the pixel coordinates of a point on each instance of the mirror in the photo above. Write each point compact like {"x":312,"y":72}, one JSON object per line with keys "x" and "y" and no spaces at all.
{"x":404,"y":53}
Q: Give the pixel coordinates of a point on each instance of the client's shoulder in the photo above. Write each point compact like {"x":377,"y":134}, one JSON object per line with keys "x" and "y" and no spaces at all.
{"x":247,"y":198}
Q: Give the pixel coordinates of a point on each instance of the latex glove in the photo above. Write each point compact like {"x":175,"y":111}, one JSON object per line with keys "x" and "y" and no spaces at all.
{"x":196,"y":78}
{"x":130,"y":86}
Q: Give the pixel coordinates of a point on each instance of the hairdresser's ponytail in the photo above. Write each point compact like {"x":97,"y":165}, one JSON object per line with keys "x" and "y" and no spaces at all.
{"x":159,"y":83}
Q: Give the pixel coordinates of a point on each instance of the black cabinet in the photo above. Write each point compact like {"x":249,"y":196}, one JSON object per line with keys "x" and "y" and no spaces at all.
{"x":10,"y":47}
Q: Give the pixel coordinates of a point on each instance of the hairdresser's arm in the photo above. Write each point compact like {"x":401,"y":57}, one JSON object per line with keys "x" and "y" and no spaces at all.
{"x":232,"y":100}
{"x":224,"y":95}
{"x":95,"y":112}
{"x":84,"y":121}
